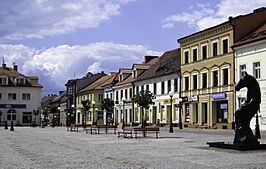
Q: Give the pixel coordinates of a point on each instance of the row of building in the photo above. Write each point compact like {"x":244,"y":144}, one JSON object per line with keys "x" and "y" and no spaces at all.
{"x":201,"y":75}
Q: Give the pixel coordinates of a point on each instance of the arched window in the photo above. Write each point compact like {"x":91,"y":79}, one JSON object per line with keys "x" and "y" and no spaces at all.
{"x":11,"y":114}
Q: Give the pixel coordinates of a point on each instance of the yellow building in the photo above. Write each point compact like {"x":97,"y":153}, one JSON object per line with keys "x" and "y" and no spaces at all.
{"x":207,"y":78}
{"x":94,"y":92}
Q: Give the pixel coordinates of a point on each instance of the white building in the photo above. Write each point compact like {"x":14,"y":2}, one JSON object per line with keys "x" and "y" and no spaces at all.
{"x":20,"y":97}
{"x":250,"y":56}
{"x":160,"y":79}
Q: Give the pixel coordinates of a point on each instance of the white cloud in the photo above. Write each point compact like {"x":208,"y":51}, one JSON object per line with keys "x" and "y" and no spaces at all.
{"x":202,"y":16}
{"x":56,"y":65}
{"x":39,"y":18}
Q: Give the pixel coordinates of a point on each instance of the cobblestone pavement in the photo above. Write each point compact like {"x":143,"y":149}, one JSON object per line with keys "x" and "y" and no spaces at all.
{"x":56,"y":148}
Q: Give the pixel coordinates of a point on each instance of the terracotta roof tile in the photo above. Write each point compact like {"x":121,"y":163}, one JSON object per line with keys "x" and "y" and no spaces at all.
{"x":95,"y":85}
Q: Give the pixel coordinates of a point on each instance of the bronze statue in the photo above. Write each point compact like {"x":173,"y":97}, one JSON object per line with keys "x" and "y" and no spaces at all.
{"x":243,"y":116}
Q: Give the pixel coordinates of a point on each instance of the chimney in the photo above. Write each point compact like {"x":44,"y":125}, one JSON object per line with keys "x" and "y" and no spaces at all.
{"x":60,"y":92}
{"x":4,"y":65}
{"x":89,"y":74}
{"x":15,"y":67}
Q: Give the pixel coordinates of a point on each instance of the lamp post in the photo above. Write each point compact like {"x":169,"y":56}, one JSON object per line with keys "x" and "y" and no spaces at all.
{"x":70,"y":120}
{"x":123,"y":120}
{"x":171,"y":94}
{"x":58,"y":108}
{"x":180,"y":110}
{"x":93,"y":113}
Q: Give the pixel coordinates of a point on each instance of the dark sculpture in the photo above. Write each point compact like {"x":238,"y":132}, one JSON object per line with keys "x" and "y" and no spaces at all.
{"x":243,"y":116}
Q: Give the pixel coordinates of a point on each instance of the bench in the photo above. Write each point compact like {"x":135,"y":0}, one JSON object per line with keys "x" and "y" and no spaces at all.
{"x":136,"y":130}
{"x":72,"y":127}
{"x":96,"y":128}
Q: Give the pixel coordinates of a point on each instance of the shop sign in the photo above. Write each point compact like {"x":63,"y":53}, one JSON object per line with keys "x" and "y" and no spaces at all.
{"x":193,"y":98}
{"x":168,"y":101}
{"x":184,"y":99}
{"x":224,"y":106}
{"x":14,"y":106}
{"x":216,"y":96}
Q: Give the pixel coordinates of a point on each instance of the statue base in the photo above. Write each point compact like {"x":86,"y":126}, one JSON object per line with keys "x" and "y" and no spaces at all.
{"x":241,"y":147}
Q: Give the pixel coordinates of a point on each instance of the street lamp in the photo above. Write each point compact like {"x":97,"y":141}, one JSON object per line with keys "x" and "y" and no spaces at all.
{"x":58,"y":108}
{"x":70,"y":118}
{"x":93,"y":113}
{"x":123,"y":120}
{"x":180,"y":110}
{"x":171,"y":94}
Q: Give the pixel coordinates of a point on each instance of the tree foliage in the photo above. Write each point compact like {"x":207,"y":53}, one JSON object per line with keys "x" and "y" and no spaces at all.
{"x":107,"y":104}
{"x":144,"y":99}
{"x":86,"y":105}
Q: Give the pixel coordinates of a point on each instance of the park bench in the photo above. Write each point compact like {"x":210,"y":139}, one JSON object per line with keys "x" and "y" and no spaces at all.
{"x":96,"y":128}
{"x":135,"y":130}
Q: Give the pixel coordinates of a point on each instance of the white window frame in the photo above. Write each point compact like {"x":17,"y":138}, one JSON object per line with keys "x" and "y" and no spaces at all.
{"x":184,"y":82}
{"x":186,"y":50}
{"x":201,"y":75}
{"x":222,"y":44}
{"x":212,"y":42}
{"x":242,"y":71}
{"x":213,"y":70}
{"x":20,"y":78}
{"x":201,"y":46}
{"x":192,"y":79}
{"x":6,"y":80}
{"x":192,"y":53}
{"x":227,"y":66}
{"x":256,"y":68}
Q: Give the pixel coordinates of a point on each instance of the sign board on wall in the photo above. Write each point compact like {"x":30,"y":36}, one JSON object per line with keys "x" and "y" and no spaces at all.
{"x":216,"y":96}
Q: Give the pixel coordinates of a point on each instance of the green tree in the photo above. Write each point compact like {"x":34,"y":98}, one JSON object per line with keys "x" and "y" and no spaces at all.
{"x":108,"y":105}
{"x":87,"y":106}
{"x":144,"y":99}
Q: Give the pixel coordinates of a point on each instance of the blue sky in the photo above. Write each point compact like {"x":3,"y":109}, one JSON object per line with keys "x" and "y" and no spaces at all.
{"x":55,"y":39}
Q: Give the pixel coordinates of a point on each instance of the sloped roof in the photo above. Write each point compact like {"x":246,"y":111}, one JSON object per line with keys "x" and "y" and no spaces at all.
{"x":111,"y":79}
{"x":95,"y":85}
{"x":168,"y":63}
{"x":31,"y":81}
{"x":125,"y":70}
{"x":256,"y":35}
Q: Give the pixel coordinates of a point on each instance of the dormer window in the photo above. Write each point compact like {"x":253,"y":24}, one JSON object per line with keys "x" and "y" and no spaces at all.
{"x":120,"y":78}
{"x":3,"y":80}
{"x":20,"y":81}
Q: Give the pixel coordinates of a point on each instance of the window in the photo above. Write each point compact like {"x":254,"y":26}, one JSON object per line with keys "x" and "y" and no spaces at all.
{"x":107,"y":95}
{"x":121,"y":94}
{"x":215,"y":78}
{"x":3,"y":80}
{"x":137,"y":89}
{"x":25,"y":96}
{"x":242,"y":70}
{"x":116,"y":95}
{"x":195,"y":81}
{"x":11,"y":114}
{"x":162,"y":87}
{"x":100,"y":97}
{"x":0,"y":96}
{"x":225,"y":76}
{"x":20,"y":80}
{"x":130,"y":93}
{"x":147,"y":87}
{"x":126,"y":93}
{"x":186,"y":57}
{"x":195,"y":55}
{"x":111,"y":96}
{"x":12,"y":96}
{"x":169,"y":86}
{"x":204,"y":80}
{"x":175,"y":85}
{"x":186,"y":83}
{"x":225,"y":46}
{"x":142,"y":88}
{"x":204,"y":52}
{"x":26,"y":117}
{"x":256,"y":70}
{"x":214,"y":49}
{"x":154,"y":88}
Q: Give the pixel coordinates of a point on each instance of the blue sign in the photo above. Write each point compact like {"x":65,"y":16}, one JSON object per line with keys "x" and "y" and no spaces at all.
{"x":224,"y":106}
{"x":13,"y":106}
{"x":216,"y":96}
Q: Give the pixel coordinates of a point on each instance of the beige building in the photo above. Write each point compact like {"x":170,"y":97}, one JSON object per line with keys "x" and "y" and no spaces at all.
{"x":207,"y":71}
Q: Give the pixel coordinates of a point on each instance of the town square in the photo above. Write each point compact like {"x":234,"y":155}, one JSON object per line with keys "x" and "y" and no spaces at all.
{"x":133,"y":84}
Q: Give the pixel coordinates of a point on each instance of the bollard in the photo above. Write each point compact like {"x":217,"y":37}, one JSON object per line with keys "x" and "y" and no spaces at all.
{"x":6,"y":125}
{"x":12,"y":126}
